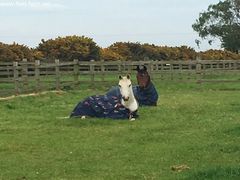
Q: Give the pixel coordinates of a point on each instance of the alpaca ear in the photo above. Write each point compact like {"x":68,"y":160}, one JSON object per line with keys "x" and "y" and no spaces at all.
{"x":145,"y":68}
{"x":138,"y":68}
{"x":120,"y":77}
{"x":128,"y":76}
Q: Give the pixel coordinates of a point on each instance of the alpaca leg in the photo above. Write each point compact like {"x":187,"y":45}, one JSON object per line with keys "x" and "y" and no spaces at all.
{"x":133,"y":116}
{"x":132,"y":119}
{"x":83,"y":117}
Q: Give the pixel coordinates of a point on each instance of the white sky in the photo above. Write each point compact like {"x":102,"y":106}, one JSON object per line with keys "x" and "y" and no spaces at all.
{"x":161,"y":22}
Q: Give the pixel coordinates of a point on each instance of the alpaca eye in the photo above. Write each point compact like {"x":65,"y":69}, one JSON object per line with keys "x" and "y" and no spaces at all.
{"x":130,"y":85}
{"x":119,"y":85}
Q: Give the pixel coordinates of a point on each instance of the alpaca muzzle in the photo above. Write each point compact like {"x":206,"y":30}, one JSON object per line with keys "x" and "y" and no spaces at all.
{"x":125,"y":98}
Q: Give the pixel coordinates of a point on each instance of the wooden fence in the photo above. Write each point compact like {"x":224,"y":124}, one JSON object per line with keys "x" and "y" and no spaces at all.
{"x":24,"y":76}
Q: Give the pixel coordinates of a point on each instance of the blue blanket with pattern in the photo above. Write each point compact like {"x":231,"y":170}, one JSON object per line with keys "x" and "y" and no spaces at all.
{"x":103,"y":106}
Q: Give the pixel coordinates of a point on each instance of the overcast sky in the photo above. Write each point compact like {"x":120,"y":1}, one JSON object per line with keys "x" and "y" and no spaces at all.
{"x":161,"y":22}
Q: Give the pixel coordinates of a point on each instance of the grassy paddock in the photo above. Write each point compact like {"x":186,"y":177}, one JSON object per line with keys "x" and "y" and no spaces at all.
{"x":193,"y":125}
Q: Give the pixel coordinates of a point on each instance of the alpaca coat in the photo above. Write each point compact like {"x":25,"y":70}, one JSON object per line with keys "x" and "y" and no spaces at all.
{"x":102,"y":106}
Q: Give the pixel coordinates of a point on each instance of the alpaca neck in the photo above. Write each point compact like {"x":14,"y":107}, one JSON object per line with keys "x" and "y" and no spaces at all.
{"x":131,"y":104}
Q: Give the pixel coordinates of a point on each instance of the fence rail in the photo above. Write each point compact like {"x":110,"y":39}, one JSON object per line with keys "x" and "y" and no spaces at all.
{"x":28,"y":76}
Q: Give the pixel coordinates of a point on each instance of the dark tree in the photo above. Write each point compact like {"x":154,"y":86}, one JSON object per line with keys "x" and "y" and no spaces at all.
{"x":221,"y":21}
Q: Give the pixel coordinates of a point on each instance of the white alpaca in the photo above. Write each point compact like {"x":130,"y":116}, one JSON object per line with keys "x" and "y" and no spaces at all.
{"x":128,"y":100}
{"x":95,"y":106}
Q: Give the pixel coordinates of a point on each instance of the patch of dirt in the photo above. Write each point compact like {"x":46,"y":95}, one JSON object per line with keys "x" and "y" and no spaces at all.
{"x":180,"y":168}
{"x":31,"y":94}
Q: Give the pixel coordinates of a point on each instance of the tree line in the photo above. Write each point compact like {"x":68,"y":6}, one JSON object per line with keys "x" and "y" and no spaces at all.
{"x":85,"y":49}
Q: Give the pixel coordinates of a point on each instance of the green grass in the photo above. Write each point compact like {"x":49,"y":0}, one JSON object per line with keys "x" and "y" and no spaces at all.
{"x":194,"y":125}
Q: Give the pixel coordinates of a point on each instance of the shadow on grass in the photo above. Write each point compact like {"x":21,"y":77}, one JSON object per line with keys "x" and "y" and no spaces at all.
{"x":217,"y":173}
{"x":229,"y":89}
{"x":234,"y":131}
{"x":88,"y":122}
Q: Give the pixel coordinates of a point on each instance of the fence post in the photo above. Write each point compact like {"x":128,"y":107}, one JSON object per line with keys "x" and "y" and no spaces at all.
{"x":199,"y":70}
{"x":102,"y":70}
{"x":57,"y":72}
{"x":150,"y":69}
{"x":124,"y":67}
{"x":161,"y":69}
{"x":25,"y":74}
{"x":180,"y":70}
{"x":235,"y":65}
{"x":8,"y":71}
{"x":119,"y":67}
{"x":76,"y":71}
{"x":37,"y":75}
{"x":16,"y":77}
{"x":129,"y":67}
{"x":171,"y":69}
{"x":189,"y":74}
{"x":92,"y":73}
